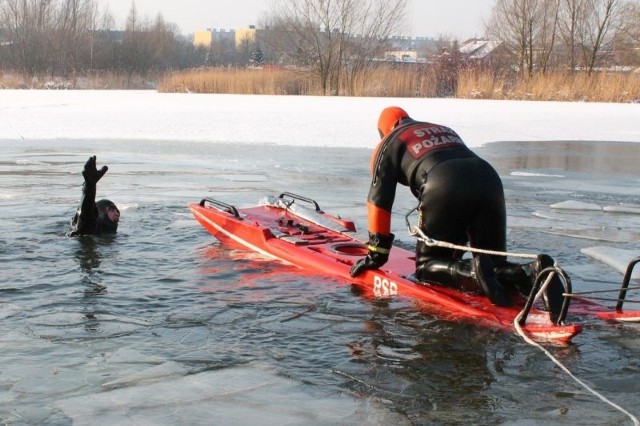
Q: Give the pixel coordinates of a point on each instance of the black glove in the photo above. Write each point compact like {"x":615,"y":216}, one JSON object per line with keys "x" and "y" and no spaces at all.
{"x":379,"y":248}
{"x":91,"y":174}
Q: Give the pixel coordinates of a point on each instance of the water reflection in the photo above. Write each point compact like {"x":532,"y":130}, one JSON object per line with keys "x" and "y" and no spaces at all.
{"x":401,"y":356}
{"x":89,"y":259}
{"x":575,"y":156}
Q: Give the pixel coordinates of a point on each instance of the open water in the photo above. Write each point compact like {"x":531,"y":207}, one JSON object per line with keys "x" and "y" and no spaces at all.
{"x":163,"y":325}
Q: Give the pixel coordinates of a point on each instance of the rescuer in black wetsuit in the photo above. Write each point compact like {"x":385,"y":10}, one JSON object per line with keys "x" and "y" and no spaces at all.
{"x":461,"y":200}
{"x":94,"y":218}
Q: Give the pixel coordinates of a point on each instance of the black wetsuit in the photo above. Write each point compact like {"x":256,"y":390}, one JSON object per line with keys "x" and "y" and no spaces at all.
{"x":92,"y":218}
{"x":460,"y":195}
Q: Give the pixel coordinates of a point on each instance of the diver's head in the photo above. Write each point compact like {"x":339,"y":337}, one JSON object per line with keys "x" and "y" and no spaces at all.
{"x":389,"y":119}
{"x":108,"y":217}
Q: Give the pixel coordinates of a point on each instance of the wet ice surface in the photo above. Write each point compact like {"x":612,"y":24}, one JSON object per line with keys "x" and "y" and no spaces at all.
{"x":585,"y":191}
{"x":162,"y":325}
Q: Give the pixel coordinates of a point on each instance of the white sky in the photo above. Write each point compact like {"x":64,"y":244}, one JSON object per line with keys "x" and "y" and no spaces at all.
{"x":459,"y":19}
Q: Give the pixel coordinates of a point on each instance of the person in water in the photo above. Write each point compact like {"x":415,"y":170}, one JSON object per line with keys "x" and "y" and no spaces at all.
{"x":94,"y":218}
{"x":461,"y":200}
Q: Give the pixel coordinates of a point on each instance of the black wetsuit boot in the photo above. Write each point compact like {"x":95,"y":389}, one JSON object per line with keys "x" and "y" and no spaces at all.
{"x":466,"y":275}
{"x":514,"y":276}
{"x":483,"y":268}
{"x":523,"y":277}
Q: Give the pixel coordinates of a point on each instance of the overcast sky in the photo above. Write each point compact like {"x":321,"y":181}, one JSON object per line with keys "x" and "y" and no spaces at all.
{"x":460,"y":19}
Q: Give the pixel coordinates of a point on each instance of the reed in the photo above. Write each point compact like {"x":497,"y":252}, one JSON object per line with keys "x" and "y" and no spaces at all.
{"x":85,"y":81}
{"x":255,"y":81}
{"x":480,"y":84}
{"x":556,"y":86}
{"x":398,"y":80}
{"x":394,"y":82}
{"x":384,"y":81}
{"x":413,"y":81}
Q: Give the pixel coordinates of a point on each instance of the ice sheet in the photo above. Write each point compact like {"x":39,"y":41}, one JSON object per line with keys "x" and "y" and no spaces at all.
{"x":616,"y":258}
{"x":576,"y":205}
{"x":622,"y":209}
{"x":243,"y":395}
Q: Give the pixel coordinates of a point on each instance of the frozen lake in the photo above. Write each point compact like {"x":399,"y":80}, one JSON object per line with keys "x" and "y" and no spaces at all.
{"x":163,"y":325}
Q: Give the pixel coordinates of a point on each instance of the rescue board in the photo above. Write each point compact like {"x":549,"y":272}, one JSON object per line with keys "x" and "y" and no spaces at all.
{"x":293,"y":229}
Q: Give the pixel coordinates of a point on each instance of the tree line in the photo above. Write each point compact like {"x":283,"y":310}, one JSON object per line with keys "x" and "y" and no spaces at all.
{"x":571,"y":35}
{"x":341,"y":42}
{"x":68,"y":38}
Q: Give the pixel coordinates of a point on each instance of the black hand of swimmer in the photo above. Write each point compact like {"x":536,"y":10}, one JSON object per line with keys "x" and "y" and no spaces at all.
{"x":91,"y":174}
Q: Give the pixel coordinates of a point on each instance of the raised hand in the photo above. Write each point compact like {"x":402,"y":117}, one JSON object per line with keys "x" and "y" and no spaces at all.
{"x":91,"y":174}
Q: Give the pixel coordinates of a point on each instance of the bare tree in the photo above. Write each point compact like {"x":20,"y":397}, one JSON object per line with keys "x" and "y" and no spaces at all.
{"x":77,"y":19}
{"x":547,"y":34}
{"x":161,"y":38}
{"x":373,"y":25}
{"x":629,"y":38}
{"x":308,"y":27}
{"x":509,"y":24}
{"x":527,"y":28}
{"x":29,"y":23}
{"x":330,"y":37}
{"x":631,"y":27}
{"x":572,"y":13}
{"x":601,"y":26}
{"x":69,"y":38}
{"x":137,"y":54}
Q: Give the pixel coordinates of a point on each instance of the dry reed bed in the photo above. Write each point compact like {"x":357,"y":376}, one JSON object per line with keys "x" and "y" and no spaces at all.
{"x":401,"y":81}
{"x":242,"y":81}
{"x":597,"y":87}
{"x":90,"y":81}
{"x":414,"y":82}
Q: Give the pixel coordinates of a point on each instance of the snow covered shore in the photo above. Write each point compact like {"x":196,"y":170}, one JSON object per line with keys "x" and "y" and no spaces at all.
{"x":296,"y":120}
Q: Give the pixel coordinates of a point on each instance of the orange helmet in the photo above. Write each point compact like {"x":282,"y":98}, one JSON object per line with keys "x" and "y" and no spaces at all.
{"x":389,"y":117}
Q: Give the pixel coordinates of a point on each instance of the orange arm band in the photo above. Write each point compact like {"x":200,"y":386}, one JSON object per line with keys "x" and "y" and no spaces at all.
{"x":379,"y":220}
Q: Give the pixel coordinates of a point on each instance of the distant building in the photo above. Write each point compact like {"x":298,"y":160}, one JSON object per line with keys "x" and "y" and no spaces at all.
{"x":401,"y":48}
{"x":212,"y":37}
{"x":484,"y":52}
{"x":202,"y":38}
{"x":402,"y":56}
{"x":237,"y":36}
{"x":478,"y":49}
{"x":245,"y":35}
{"x":412,"y":49}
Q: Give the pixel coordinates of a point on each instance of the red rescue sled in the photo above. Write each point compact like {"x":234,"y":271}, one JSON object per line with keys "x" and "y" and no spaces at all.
{"x":293,"y":229}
